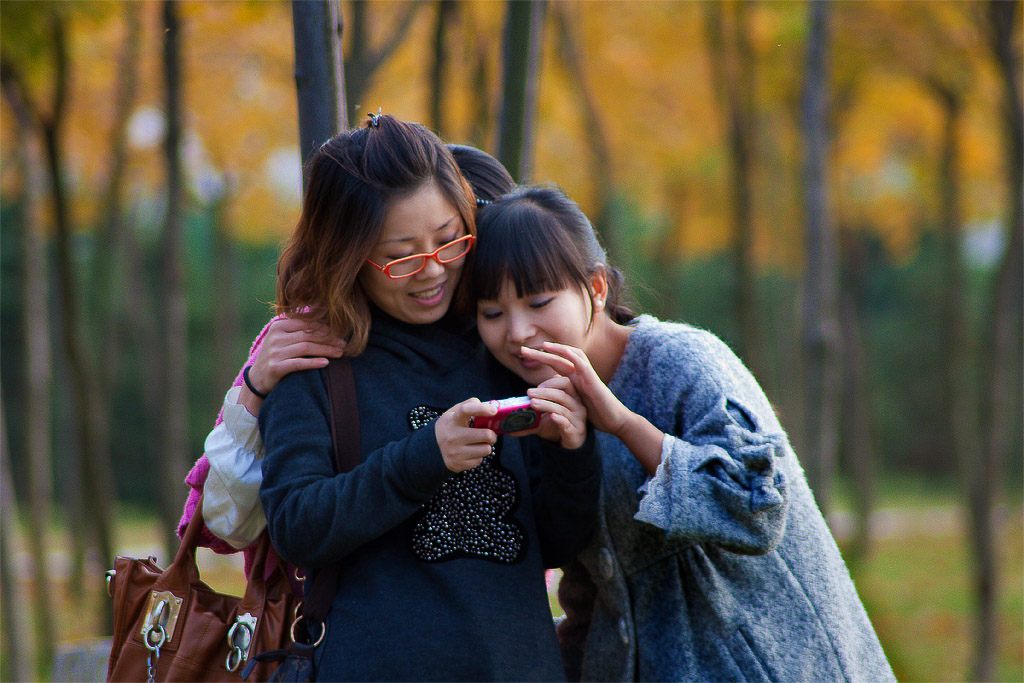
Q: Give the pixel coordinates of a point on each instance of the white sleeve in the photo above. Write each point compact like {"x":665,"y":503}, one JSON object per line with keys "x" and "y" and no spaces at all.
{"x":666,"y":448}
{"x":231,"y":501}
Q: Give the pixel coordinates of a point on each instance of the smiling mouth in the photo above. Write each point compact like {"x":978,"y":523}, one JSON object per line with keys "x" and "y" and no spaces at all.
{"x":428,"y":294}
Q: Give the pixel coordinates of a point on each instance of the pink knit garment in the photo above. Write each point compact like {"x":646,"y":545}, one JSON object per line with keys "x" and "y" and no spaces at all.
{"x":197,"y":477}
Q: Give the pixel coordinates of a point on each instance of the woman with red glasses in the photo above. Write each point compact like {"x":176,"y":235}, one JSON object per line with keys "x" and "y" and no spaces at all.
{"x":443,"y":531}
{"x":229,"y":473}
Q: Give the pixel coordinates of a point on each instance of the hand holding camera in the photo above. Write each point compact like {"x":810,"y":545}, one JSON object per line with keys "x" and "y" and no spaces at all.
{"x":514,"y":415}
{"x":552,"y":410}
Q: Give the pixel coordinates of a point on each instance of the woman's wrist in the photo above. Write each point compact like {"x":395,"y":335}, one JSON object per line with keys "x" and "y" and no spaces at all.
{"x":249,"y":383}
{"x":643,"y":440}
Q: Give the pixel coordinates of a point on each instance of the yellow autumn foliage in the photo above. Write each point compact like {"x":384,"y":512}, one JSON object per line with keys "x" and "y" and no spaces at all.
{"x":647,"y":66}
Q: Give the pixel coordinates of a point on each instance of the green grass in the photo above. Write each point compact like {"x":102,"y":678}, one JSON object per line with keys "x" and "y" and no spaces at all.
{"x":919,"y":594}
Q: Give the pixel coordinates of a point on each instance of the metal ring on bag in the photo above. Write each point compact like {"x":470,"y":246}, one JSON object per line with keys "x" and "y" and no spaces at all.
{"x":236,"y":655}
{"x":234,"y":659}
{"x":158,"y":629}
{"x":323,"y":630}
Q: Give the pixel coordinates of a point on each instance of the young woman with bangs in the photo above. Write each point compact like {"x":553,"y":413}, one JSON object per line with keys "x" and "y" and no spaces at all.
{"x":710,"y":560}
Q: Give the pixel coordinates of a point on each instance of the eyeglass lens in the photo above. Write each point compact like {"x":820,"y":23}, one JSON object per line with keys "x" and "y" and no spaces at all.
{"x":447,"y":253}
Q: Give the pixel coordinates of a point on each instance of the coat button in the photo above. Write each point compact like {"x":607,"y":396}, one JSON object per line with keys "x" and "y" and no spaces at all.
{"x":605,"y":564}
{"x":624,"y":630}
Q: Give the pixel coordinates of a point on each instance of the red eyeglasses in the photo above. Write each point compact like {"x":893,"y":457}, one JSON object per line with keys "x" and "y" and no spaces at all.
{"x":410,"y":265}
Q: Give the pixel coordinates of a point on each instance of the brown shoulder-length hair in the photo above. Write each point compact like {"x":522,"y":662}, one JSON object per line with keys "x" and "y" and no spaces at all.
{"x":352,"y":181}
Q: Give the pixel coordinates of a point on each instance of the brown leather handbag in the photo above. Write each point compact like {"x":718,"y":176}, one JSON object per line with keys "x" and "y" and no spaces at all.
{"x":170,"y":626}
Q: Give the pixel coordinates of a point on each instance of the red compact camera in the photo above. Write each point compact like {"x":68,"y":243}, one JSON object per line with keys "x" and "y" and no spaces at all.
{"x":514,"y":415}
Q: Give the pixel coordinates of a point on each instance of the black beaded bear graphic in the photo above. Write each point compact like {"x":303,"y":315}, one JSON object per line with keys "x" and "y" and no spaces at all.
{"x":470,"y":515}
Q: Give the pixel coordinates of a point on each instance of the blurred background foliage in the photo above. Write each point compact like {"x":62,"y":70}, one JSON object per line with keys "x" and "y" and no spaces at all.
{"x":650,"y":114}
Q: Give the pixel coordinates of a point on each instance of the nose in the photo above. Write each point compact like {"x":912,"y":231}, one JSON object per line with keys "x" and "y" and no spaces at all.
{"x":520,"y":328}
{"x":431,"y":269}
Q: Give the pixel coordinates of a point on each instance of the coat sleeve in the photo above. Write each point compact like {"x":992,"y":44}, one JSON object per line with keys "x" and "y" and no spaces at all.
{"x":722,"y":478}
{"x":314,"y":516}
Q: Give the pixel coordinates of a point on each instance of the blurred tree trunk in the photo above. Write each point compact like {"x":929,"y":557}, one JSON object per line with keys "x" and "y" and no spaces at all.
{"x":447,"y":14}
{"x":38,"y":368}
{"x":732,"y":64}
{"x":108,"y":277}
{"x":820,"y":298}
{"x":319,"y":74}
{"x":17,"y":664}
{"x":482,"y":119}
{"x":958,"y":395}
{"x":173,"y":308}
{"x":601,"y":157}
{"x":1000,"y":385}
{"x":522,"y":38}
{"x":228,"y":328}
{"x":956,"y":363}
{"x":94,"y":467}
{"x":363,"y":60}
{"x":855,"y":429}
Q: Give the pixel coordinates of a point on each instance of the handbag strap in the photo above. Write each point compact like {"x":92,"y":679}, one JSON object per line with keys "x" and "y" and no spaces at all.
{"x":341,"y":391}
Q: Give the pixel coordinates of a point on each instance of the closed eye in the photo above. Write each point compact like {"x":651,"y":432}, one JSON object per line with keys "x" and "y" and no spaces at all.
{"x":541,"y":302}
{"x":489,"y":313}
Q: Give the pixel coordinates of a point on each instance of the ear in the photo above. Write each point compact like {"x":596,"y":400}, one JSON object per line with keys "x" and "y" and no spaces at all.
{"x":598,"y":284}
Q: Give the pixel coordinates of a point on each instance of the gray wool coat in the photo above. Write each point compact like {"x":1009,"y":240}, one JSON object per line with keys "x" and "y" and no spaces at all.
{"x":720,"y":567}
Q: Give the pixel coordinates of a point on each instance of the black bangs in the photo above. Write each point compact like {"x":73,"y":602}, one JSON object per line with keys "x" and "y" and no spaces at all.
{"x":519,"y":240}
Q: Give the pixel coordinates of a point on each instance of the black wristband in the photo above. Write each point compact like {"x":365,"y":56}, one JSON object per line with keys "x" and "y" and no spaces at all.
{"x":248,"y":382}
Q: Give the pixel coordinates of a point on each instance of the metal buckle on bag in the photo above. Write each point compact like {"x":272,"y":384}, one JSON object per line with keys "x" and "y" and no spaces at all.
{"x":161,"y":611}
{"x":301,"y":617}
{"x":240,"y":637}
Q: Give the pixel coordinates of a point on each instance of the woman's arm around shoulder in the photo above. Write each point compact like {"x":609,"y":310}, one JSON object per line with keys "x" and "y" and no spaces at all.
{"x":231,"y":506}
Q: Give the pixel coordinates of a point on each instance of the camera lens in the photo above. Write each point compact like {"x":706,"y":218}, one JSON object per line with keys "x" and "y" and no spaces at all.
{"x":519,"y":420}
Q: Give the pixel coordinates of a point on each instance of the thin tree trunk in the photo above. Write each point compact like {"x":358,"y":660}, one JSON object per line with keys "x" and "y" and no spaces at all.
{"x":957,"y":396}
{"x":363,"y":60}
{"x":96,"y":475}
{"x":958,"y":404}
{"x":17,"y":664}
{"x":227,"y":329}
{"x":743,"y":142}
{"x":482,"y":120}
{"x":820,"y":302}
{"x":447,"y":12}
{"x":172,"y":288}
{"x":109,"y":293}
{"x":855,"y":427}
{"x":1002,"y":344}
{"x":522,"y":39}
{"x":601,"y":166}
{"x":732,"y":66}
{"x":318,"y":73}
{"x":38,"y":368}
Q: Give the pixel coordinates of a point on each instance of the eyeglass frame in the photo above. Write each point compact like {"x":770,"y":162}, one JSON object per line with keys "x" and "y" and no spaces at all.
{"x":386,"y":268}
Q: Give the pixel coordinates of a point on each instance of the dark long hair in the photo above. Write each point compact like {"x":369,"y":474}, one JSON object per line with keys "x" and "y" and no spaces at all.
{"x":488,"y":178}
{"x":353,"y":179}
{"x":540,"y":240}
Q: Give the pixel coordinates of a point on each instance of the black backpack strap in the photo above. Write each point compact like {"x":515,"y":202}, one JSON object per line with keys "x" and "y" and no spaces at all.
{"x":341,"y":390}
